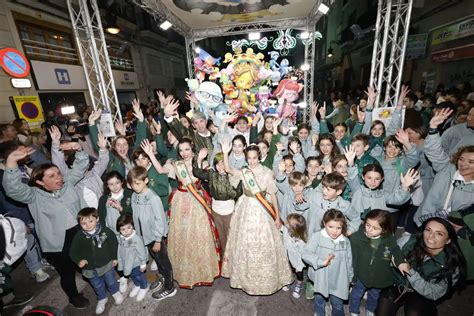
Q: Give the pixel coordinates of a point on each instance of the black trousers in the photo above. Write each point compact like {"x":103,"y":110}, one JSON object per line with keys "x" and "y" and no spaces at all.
{"x":63,"y":264}
{"x":414,"y":304}
{"x":164,"y":264}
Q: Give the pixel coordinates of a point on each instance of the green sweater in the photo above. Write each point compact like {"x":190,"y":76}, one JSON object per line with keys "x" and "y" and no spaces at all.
{"x":372,"y":264}
{"x":160,"y":184}
{"x":99,"y":257}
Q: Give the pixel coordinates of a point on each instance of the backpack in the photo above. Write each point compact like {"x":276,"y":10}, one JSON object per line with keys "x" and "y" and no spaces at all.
{"x":15,"y":238}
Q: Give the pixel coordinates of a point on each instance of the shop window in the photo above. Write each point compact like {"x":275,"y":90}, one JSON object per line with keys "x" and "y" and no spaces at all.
{"x":40,"y":43}
{"x":120,"y":56}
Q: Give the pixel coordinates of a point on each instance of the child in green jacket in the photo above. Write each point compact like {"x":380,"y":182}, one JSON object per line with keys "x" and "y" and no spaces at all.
{"x":94,"y":250}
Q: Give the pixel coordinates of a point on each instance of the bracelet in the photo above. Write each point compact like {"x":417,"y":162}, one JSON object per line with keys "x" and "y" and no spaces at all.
{"x":432,"y":131}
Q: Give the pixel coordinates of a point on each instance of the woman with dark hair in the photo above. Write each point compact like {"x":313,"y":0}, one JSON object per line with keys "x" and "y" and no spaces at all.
{"x":453,"y":185}
{"x":436,"y":266}
{"x":120,"y":153}
{"x":193,"y":244}
{"x":255,"y":259}
{"x":54,"y":203}
{"x":23,"y":129}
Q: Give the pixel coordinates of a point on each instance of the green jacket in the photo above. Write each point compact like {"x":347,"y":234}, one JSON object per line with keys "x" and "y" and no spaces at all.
{"x":115,"y":163}
{"x":219,"y":185}
{"x":178,"y":129}
{"x":268,"y":161}
{"x":372,"y":266}
{"x":363,"y":161}
{"x":99,"y":257}
{"x":465,"y":218}
{"x":108,"y":215}
{"x":160,"y":184}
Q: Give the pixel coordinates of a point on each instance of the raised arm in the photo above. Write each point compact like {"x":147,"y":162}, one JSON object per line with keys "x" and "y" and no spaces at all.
{"x":433,"y":148}
{"x":226,"y":147}
{"x":148,"y":149}
{"x":57,"y":156}
{"x":353,"y":173}
{"x":12,"y":184}
{"x":104,"y":157}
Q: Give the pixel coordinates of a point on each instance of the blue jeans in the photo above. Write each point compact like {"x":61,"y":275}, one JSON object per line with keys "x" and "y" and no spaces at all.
{"x":33,"y":255}
{"x":99,"y":283}
{"x":357,"y":293}
{"x":138,"y":278}
{"x":337,"y":305}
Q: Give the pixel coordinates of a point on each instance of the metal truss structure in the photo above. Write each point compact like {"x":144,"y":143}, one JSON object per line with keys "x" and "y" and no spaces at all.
{"x":160,"y":11}
{"x":87,"y":26}
{"x":391,"y":32}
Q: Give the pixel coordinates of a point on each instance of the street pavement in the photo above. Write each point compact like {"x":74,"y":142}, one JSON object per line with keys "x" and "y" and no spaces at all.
{"x":219,"y":299}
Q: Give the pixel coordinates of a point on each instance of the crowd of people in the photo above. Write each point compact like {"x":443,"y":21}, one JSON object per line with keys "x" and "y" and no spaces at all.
{"x":311,"y":209}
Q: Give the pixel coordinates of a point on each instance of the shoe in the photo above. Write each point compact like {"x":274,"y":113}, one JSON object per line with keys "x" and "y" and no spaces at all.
{"x":18,"y":300}
{"x":134,"y":291}
{"x":153,"y":266}
{"x":40,"y":276}
{"x":79,"y":301}
{"x":309,"y":290}
{"x":118,"y":298}
{"x":297,"y":289}
{"x":369,"y":313}
{"x":165,"y":294}
{"x":354,"y":314}
{"x":141,"y":294}
{"x":45,"y":264}
{"x":286,"y":288}
{"x":158,"y":284}
{"x":123,"y":285}
{"x":100,"y":308}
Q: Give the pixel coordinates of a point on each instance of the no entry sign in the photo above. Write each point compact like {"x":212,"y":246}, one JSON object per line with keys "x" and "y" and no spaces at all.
{"x":14,"y":63}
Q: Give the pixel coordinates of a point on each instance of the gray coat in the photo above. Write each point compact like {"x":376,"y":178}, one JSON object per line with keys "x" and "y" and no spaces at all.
{"x":364,"y":199}
{"x":336,"y":277}
{"x":426,"y":170}
{"x":462,"y":195}
{"x":393,"y":168}
{"x":92,"y":179}
{"x":287,"y":201}
{"x":149,"y":217}
{"x":48,"y":209}
{"x":131,"y":253}
{"x":457,"y":136}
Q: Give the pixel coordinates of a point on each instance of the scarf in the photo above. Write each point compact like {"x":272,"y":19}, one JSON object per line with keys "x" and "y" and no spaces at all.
{"x":97,"y":240}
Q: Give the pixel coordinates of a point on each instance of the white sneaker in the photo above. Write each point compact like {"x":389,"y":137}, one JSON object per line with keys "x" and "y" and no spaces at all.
{"x":101,"y":306}
{"x":153,"y":266}
{"x":118,"y":298}
{"x":134,"y":291}
{"x":123,"y":285}
{"x":40,"y":276}
{"x":141,"y":294}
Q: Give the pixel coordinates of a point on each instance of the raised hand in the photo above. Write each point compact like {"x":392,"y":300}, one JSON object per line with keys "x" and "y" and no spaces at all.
{"x":161,"y":97}
{"x":19,"y":154}
{"x":94,"y":116}
{"x":403,"y":93}
{"x":120,"y":127}
{"x":226,"y":145}
{"x":55,"y":134}
{"x":147,"y":147}
{"x":137,"y":112}
{"x":256,"y":118}
{"x":202,"y":154}
{"x":157,"y":126}
{"x":171,"y":108}
{"x":360,"y":115}
{"x":322,"y":112}
{"x":314,"y":139}
{"x":101,"y":141}
{"x":440,"y":117}
{"x":409,"y":178}
{"x":350,"y":154}
{"x":275,"y":124}
{"x":402,"y":137}
{"x":371,"y":95}
{"x":313,"y":109}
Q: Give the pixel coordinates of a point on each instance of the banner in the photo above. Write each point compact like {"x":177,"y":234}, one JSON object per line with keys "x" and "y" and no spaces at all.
{"x":30,"y":109}
{"x":454,"y":31}
{"x":385,"y":115}
{"x":416,"y":46}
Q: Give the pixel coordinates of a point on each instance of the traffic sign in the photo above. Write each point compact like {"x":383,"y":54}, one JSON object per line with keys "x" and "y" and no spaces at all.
{"x":14,"y":62}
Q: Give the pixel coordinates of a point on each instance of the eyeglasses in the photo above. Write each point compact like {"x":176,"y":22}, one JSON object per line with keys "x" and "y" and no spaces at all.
{"x":207,"y":95}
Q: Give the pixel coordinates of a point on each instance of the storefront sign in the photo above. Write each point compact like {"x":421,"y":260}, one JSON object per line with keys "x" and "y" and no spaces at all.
{"x":125,"y":80}
{"x":454,"y":31}
{"x":20,"y":83}
{"x":416,"y":46}
{"x":451,"y":54}
{"x":29,"y":108}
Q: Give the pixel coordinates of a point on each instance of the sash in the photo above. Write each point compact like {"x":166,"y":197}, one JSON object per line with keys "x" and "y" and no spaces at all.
{"x":185,"y":178}
{"x":252,"y":186}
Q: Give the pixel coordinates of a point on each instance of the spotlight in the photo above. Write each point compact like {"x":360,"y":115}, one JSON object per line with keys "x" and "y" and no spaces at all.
{"x":330,"y":52}
{"x":165,"y":25}
{"x":197,"y":50}
{"x":305,"y":67}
